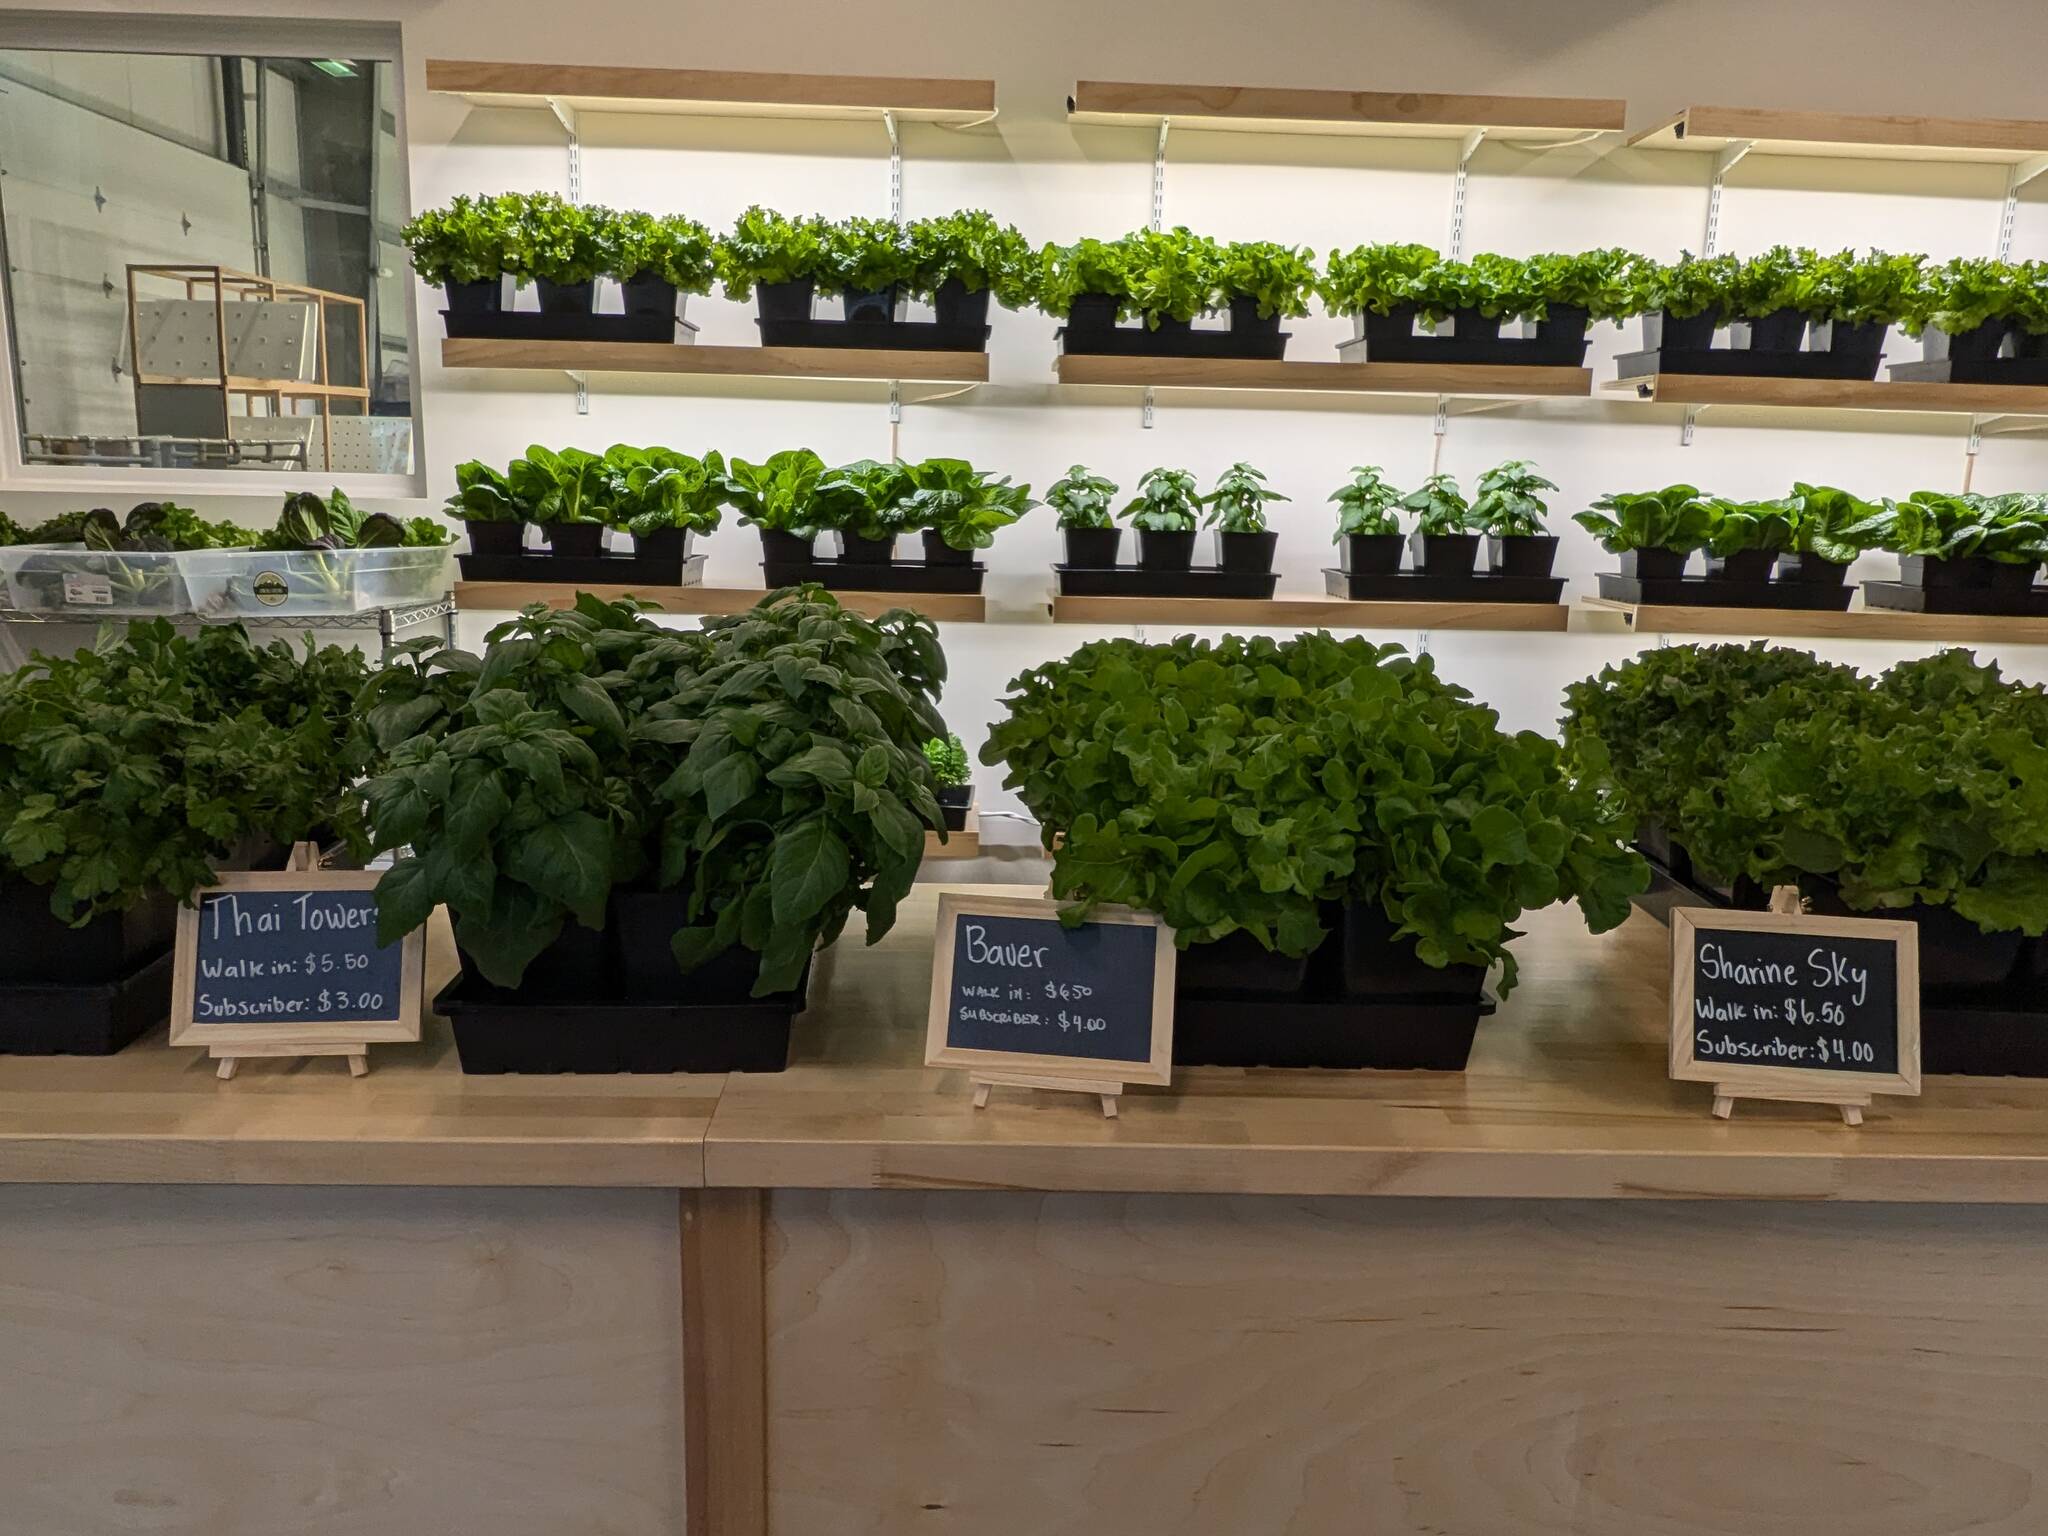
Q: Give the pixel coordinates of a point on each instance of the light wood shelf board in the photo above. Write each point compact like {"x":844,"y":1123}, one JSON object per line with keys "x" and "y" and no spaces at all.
{"x":660,"y":357}
{"x":1835,"y":394}
{"x":511,"y":596}
{"x":1856,"y":624}
{"x":1464,"y":379}
{"x":1848,"y":136}
{"x":712,"y":92}
{"x":1372,"y":114}
{"x":1309,"y":612}
{"x":964,"y":844}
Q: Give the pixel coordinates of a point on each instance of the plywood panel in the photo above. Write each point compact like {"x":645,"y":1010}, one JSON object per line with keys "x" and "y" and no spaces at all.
{"x":1022,"y":1365}
{"x":346,"y":1362}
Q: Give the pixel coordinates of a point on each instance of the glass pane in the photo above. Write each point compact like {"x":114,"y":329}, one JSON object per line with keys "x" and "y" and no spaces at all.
{"x":202,"y":267}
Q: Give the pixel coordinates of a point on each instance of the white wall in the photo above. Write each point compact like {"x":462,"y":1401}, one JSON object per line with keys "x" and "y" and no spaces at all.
{"x":1057,"y":181}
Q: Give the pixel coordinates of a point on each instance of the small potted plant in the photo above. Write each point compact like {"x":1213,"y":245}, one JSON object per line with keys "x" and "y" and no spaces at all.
{"x":775,"y":260}
{"x":660,"y":498}
{"x":1381,"y":287}
{"x":870,"y":264}
{"x":1368,"y":523}
{"x":1773,"y":295}
{"x":1444,"y":540}
{"x":1082,"y":501}
{"x":1682,"y":303}
{"x":1509,"y":510}
{"x":1164,"y":277}
{"x":1654,"y":532}
{"x":864,"y":505}
{"x":1746,"y":539}
{"x":1263,"y":283}
{"x":1859,"y":299}
{"x":658,"y":260}
{"x":462,"y":249}
{"x":1164,"y":512}
{"x":493,"y":517}
{"x":948,"y":760}
{"x":566,"y":493}
{"x":1966,"y":309}
{"x":777,"y":498}
{"x":960,"y":509}
{"x":1830,"y":528}
{"x":1990,"y":543}
{"x":1566,"y":293}
{"x":560,"y":247}
{"x":1237,"y":511}
{"x":960,"y":261}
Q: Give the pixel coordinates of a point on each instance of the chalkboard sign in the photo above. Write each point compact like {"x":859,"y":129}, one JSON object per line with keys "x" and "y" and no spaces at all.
{"x":1014,"y":988}
{"x":270,"y":962}
{"x":1782,"y":1005}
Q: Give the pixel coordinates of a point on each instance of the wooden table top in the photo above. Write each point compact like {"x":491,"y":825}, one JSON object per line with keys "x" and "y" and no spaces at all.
{"x":1566,"y":1097}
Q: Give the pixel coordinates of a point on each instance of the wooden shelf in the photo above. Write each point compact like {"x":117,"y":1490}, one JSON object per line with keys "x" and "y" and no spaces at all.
{"x":1308,"y":612}
{"x":964,"y":844}
{"x":711,"y":92}
{"x":1465,"y":379}
{"x":1836,"y":394}
{"x":1369,"y":114}
{"x":1834,"y":135}
{"x":511,"y":596}
{"x":1856,"y":624}
{"x":717,"y":362}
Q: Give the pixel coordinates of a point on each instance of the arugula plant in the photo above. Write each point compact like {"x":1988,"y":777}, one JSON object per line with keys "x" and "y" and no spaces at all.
{"x":1439,"y":507}
{"x":948,"y":759}
{"x":971,"y":248}
{"x":864,"y":255}
{"x":965,"y":506}
{"x":568,"y":486}
{"x":2011,"y":529}
{"x":765,"y":247}
{"x":466,"y":242}
{"x":648,"y":490}
{"x":1082,"y":499}
{"x":1278,"y":278}
{"x":1237,"y":504}
{"x":778,"y":494}
{"x":131,"y":770}
{"x":677,"y":250}
{"x":1238,"y":785}
{"x":1166,"y":502}
{"x":1507,"y":504}
{"x":1676,"y":518}
{"x":1366,"y":506}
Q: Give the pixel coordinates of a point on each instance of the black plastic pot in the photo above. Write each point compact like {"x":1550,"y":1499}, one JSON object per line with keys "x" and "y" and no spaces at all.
{"x":1861,"y":339}
{"x":1237,"y":964}
{"x":2015,"y":580}
{"x":955,"y":801}
{"x":1470,"y":325}
{"x":1654,"y":564}
{"x":89,"y":1020}
{"x":938,"y":552}
{"x":1160,"y":550}
{"x":1445,"y":554}
{"x":1689,"y":333}
{"x":1376,"y":964}
{"x":1092,"y":312}
{"x":1372,"y":554}
{"x":1812,"y":570}
{"x":785,"y":301}
{"x":1745,"y":565}
{"x":668,"y":545}
{"x":1394,"y":328}
{"x":647,"y":293}
{"x":1979,"y":344}
{"x":855,"y":550}
{"x":2029,"y":343}
{"x":1094,"y":548}
{"x":1522,"y":554}
{"x":780,"y":548}
{"x":495,"y":538}
{"x":1782,"y":330}
{"x":486,"y":298}
{"x":952,"y":304}
{"x":1964,"y":571}
{"x":1245,"y":551}
{"x":1245,"y":320}
{"x":642,"y":926}
{"x":1561,"y":333}
{"x":1957,"y":958}
{"x":575,"y":539}
{"x":38,"y":947}
{"x":1168,"y":329}
{"x":867,"y":306}
{"x":577,"y":964}
{"x":566,"y":298}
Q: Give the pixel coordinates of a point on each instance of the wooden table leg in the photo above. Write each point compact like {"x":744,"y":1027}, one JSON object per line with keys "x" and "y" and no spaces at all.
{"x":725,"y":1362}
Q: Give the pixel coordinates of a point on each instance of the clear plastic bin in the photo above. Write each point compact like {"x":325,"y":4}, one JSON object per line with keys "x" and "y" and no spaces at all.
{"x":71,"y":581}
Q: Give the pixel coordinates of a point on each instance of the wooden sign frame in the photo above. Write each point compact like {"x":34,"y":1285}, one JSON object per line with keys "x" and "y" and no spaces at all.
{"x":1849,"y":1091}
{"x":1059,"y":1073}
{"x":228,"y":1041}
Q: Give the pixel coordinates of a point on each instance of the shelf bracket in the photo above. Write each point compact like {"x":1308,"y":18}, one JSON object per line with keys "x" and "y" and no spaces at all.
{"x":1686,"y":423}
{"x":566,"y":116}
{"x":895,"y":168}
{"x":1159,"y":177}
{"x":582,"y":393}
{"x":2017,"y":175}
{"x":1467,"y":148}
{"x":1145,"y":410}
{"x":1730,"y":156}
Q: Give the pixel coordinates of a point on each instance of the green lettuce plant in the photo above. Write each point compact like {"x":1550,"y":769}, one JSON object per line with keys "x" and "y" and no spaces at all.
{"x":777,"y":494}
{"x":675,"y":249}
{"x":2011,"y":529}
{"x":1604,"y":283}
{"x":1692,"y":285}
{"x":1875,"y":288}
{"x":566,"y":486}
{"x":1964,"y":293}
{"x":1166,"y":502}
{"x":867,"y":498}
{"x":1746,"y":525}
{"x":864,"y":255}
{"x":966,"y":507}
{"x":1082,"y":499}
{"x":1677,"y":518}
{"x":1782,"y":277}
{"x":970,"y":247}
{"x":312,"y":522}
{"x":1237,"y":503}
{"x":1366,"y":505}
{"x":466,"y":242}
{"x":1377,"y":279}
{"x":1278,"y":278}
{"x":484,"y":495}
{"x":1834,"y":525}
{"x":648,"y":490}
{"x":766,"y":247}
{"x":1159,"y":274}
{"x":557,"y":241}
{"x":948,"y":759}
{"x":1508,"y":504}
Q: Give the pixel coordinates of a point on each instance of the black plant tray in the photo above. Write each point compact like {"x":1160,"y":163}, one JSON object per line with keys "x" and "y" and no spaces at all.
{"x":1345,"y":1034}
{"x":1712,"y":592}
{"x":876,"y":576}
{"x":1740,"y":362}
{"x":583,"y":570}
{"x":1984,"y":1042}
{"x":883,"y":335}
{"x":501,"y":1031}
{"x":1134,"y":581}
{"x":1415,"y":587}
{"x":85,"y":1021}
{"x":532,"y":325}
{"x":1137,"y":341}
{"x":1490,"y":351}
{"x":1989,"y":370}
{"x":1897,"y":595}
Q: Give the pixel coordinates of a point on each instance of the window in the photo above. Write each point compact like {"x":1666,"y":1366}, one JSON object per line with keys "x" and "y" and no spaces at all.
{"x":203,"y":270}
